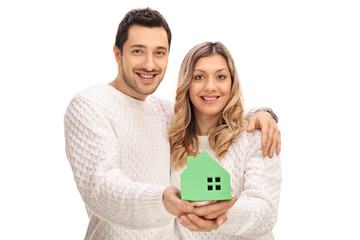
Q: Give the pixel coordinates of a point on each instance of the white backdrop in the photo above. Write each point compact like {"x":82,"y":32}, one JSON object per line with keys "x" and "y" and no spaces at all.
{"x":302,"y":58}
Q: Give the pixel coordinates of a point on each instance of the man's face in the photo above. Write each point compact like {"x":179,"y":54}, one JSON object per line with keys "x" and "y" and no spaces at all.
{"x":144,"y":60}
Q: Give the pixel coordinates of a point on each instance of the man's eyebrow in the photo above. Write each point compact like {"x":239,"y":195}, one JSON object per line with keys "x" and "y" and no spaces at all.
{"x":138,"y":46}
{"x":143,"y":46}
{"x":163,"y":48}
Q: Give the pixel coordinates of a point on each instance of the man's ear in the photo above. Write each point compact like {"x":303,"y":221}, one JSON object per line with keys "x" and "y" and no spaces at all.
{"x":117,"y":54}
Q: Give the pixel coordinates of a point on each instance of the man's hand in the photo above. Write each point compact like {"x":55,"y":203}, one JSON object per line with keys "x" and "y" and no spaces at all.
{"x":198,"y":224}
{"x":173,"y":204}
{"x":270,"y":134}
{"x":214,"y":210}
{"x":208,"y":217}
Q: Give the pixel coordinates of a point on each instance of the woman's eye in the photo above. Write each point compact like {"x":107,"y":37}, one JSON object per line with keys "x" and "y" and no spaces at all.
{"x":199,"y":77}
{"x":221,"y":77}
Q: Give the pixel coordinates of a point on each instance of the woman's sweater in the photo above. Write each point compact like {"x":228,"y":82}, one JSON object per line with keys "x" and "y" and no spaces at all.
{"x":254,"y":180}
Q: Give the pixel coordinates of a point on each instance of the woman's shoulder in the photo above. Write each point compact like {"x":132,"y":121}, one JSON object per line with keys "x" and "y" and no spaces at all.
{"x":246,"y":141}
{"x":249,"y":137}
{"x":165,"y":104}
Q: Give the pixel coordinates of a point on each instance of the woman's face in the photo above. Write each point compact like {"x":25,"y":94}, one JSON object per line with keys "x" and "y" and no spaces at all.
{"x":210,"y":86}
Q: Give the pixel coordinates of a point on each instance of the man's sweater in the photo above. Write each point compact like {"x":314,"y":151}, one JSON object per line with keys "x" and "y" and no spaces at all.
{"x":118,"y":149}
{"x":254,"y":180}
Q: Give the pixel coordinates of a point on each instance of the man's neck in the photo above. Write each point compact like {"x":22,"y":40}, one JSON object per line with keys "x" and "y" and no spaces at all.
{"x":116,"y":83}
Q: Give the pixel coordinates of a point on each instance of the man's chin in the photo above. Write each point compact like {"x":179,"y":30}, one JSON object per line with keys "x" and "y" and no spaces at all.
{"x":147,"y":90}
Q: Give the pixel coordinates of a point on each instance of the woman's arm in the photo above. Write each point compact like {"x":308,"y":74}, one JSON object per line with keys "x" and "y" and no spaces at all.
{"x":255,"y":212}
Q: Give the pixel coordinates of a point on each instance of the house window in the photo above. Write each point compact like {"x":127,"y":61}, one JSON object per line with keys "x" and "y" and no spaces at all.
{"x":213,"y":187}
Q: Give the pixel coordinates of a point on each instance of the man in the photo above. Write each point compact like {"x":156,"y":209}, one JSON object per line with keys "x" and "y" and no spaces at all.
{"x":117,"y":144}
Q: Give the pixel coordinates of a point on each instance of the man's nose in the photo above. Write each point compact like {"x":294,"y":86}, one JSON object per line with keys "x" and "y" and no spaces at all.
{"x":149,"y":63}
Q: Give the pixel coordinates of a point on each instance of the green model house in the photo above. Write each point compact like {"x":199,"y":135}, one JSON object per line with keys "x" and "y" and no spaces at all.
{"x":204,"y":180}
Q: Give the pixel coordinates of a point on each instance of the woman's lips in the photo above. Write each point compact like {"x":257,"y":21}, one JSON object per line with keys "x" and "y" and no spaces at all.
{"x":209,"y":99}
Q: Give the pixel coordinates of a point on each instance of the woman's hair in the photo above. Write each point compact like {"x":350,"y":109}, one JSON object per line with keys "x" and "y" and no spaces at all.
{"x":183,"y":140}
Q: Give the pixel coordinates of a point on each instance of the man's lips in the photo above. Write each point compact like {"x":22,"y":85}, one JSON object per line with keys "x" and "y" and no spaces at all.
{"x":147,"y":77}
{"x":209,"y":99}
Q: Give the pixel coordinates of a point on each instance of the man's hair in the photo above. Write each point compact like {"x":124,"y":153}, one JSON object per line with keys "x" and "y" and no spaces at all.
{"x":146,"y":17}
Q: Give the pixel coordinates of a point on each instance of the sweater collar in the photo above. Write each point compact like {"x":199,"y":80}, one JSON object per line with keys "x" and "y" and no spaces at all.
{"x":125,"y":98}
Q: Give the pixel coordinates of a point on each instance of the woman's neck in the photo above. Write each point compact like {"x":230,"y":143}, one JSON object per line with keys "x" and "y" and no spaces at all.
{"x":205,"y":124}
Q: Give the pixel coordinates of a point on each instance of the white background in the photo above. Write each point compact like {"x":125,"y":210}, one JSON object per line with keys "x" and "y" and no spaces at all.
{"x":302,"y":58}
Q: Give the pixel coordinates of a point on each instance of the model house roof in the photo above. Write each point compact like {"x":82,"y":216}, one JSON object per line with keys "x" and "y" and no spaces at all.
{"x":204,"y":179}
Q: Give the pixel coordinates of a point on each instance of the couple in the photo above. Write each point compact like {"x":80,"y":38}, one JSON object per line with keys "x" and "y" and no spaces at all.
{"x":118,"y":141}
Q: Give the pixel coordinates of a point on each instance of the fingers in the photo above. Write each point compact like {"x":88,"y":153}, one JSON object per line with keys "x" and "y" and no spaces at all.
{"x":222,"y":218}
{"x":173,"y":204}
{"x":270,"y":134}
{"x":270,"y":142}
{"x":274,"y":141}
{"x":272,"y":149}
{"x":278,"y":146}
{"x":220,"y":212}
{"x":251,"y":125}
{"x":264,"y":139}
{"x":186,"y":222}
{"x":214,"y":215}
{"x":195,"y":223}
{"x":200,"y":204}
{"x":181,"y":207}
{"x":214,"y":210}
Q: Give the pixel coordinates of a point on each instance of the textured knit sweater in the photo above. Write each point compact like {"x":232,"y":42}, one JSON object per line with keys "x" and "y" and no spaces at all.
{"x":119,"y":152}
{"x":255,"y":180}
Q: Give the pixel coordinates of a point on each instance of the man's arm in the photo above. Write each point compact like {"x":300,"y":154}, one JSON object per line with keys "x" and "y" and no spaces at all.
{"x":93,"y":152}
{"x":265,"y":120}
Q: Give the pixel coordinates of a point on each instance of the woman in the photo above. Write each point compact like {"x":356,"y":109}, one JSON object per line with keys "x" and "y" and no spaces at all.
{"x":207,"y":109}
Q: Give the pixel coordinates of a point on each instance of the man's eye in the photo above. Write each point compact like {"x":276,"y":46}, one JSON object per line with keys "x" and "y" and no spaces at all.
{"x":136,"y":51}
{"x":160,"y":53}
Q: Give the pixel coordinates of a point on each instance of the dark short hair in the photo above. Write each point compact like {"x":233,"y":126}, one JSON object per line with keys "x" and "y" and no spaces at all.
{"x":146,"y":17}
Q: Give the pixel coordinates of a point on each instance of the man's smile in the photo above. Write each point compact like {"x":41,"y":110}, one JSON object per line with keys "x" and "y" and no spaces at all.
{"x":147,"y":77}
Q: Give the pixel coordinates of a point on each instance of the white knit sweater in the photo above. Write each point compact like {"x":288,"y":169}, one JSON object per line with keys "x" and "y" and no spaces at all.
{"x":119,"y":153}
{"x":255,"y":180}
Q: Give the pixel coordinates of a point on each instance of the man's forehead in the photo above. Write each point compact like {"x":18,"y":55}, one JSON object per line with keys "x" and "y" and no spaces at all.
{"x":154,"y":37}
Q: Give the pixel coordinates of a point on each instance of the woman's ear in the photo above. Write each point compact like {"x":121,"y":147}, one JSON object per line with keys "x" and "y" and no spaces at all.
{"x":117,"y":54}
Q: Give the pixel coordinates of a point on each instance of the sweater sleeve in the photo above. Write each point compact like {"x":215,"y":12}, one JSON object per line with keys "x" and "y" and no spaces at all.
{"x":248,"y":113}
{"x":255,"y":212}
{"x":93,"y":150}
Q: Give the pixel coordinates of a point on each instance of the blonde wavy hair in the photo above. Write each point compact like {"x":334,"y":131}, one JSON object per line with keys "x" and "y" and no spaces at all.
{"x":183,"y":140}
